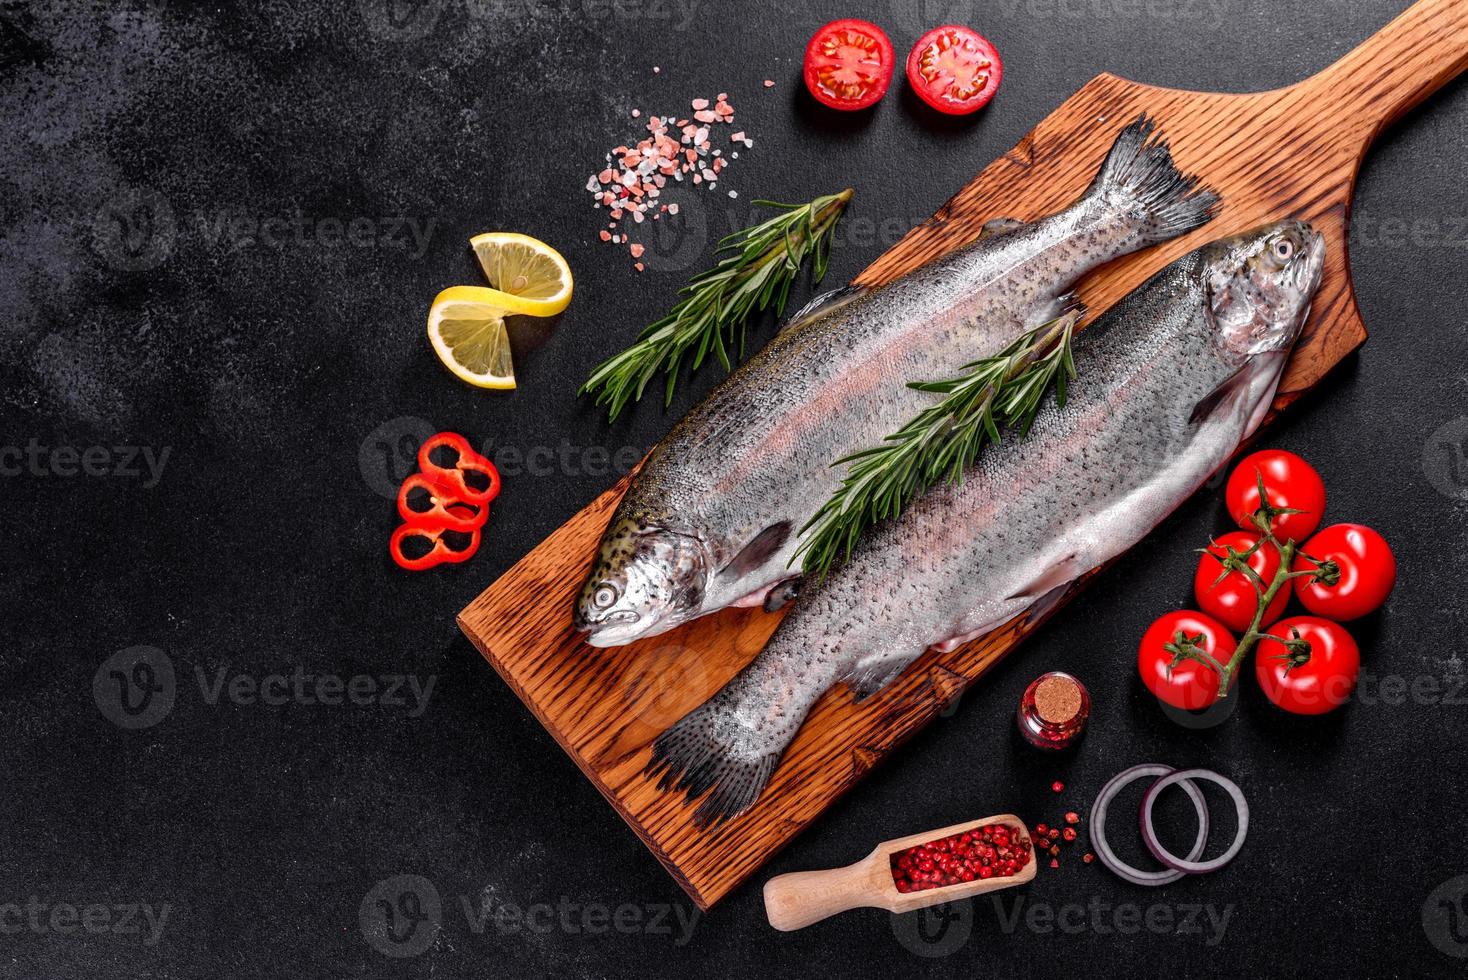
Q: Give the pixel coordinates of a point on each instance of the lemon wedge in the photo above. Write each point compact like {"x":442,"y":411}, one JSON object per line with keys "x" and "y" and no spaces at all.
{"x":466,"y":326}
{"x":534,"y":278}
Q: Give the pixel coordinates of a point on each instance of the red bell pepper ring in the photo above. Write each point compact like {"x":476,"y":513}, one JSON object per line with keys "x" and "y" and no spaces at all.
{"x":467,"y":461}
{"x":439,"y":554}
{"x":447,"y":507}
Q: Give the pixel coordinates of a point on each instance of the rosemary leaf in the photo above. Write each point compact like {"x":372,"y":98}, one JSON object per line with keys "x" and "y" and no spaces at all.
{"x":756,"y":271}
{"x":941,"y":441}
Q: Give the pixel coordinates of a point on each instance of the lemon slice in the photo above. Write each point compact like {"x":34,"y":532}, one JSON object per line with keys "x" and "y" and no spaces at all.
{"x":466,"y":326}
{"x":533,"y":276}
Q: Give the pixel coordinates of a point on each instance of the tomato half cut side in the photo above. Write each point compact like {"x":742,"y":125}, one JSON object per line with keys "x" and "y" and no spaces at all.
{"x":954,"y":69}
{"x":848,"y":64}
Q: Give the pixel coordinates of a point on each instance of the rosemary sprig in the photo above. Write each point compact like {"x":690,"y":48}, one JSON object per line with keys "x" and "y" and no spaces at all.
{"x":760,"y":264}
{"x":941,"y":441}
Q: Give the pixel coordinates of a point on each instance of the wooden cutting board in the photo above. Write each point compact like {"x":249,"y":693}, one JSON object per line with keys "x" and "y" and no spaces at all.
{"x":1290,"y":152}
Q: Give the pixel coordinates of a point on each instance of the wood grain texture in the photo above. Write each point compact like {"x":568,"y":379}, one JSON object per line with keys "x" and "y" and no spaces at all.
{"x":1291,"y":152}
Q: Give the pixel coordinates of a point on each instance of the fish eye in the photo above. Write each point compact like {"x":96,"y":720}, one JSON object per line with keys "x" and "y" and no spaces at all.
{"x":604,"y":596}
{"x":1283,"y":249}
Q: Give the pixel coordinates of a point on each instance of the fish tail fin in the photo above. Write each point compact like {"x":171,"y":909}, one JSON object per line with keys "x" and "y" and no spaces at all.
{"x":1140,"y":178}
{"x":700,"y":753}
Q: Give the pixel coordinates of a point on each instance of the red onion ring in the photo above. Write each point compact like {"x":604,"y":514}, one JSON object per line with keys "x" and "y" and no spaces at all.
{"x":1191,"y":865}
{"x":1108,"y":857}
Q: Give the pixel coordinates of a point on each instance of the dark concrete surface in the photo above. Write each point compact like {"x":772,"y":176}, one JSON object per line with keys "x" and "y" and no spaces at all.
{"x":181,"y":283}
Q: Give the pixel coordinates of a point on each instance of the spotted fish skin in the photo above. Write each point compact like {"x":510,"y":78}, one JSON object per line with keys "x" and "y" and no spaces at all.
{"x":736,"y":478}
{"x":1170,"y":382}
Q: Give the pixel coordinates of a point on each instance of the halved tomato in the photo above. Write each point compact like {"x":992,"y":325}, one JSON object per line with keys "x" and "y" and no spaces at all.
{"x":954,"y":69}
{"x":848,"y":64}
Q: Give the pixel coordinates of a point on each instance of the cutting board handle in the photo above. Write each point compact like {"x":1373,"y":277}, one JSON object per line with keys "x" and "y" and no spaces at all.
{"x":1381,"y":80}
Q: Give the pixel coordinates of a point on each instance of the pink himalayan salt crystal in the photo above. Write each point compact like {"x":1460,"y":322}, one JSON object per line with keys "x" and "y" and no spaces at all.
{"x":769,"y":83}
{"x":636,"y":248}
{"x":635,"y":174}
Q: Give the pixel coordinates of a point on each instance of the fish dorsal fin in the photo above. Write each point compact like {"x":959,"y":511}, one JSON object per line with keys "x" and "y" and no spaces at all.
{"x":824,"y":304}
{"x":1224,"y":398}
{"x":758,"y":551}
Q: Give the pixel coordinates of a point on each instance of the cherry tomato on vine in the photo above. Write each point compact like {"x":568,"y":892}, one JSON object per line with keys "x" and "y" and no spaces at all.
{"x":954,"y":69}
{"x":1367,"y":569}
{"x":1289,"y":481}
{"x":848,"y":64}
{"x":1234,"y":600}
{"x":1321,"y":678}
{"x":1190,"y":685}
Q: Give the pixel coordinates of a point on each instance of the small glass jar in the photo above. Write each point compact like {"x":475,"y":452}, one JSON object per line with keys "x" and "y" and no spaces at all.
{"x":1053,"y":712}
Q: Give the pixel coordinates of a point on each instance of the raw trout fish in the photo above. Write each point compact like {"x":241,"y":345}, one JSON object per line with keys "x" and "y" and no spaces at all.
{"x":1169,"y":383}
{"x":712,"y":519}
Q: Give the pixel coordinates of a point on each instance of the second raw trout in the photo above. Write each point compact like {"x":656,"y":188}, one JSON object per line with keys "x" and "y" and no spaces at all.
{"x":1169,"y":383}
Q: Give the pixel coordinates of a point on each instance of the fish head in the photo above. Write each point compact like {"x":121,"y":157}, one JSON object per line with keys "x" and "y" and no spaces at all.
{"x":1260,"y":285}
{"x":645,"y":580}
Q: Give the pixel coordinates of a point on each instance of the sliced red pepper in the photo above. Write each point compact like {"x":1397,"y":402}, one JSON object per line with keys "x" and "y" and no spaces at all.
{"x":447,"y":507}
{"x":466,"y":461}
{"x":439,"y":554}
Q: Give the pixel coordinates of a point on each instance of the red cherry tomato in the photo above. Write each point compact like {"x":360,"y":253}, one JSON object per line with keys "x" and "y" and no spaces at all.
{"x":1233,"y":601}
{"x":1289,"y":481}
{"x":954,"y":69}
{"x":1326,"y":677}
{"x":1190,"y":685}
{"x":848,"y":64}
{"x":1367,"y":567}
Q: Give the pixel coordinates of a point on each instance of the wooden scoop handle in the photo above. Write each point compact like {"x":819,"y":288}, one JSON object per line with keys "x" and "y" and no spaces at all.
{"x":795,"y":900}
{"x":1389,"y":73}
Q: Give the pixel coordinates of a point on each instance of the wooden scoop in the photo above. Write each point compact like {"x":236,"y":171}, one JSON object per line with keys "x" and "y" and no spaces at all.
{"x":796,"y":900}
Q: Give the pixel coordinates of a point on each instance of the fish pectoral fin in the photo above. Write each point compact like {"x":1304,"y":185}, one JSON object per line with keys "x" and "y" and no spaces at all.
{"x":1058,"y":576}
{"x":874,"y":672}
{"x":998,"y":226}
{"x":1225,"y":398}
{"x":825,"y":303}
{"x":758,"y":551}
{"x":781,"y":593}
